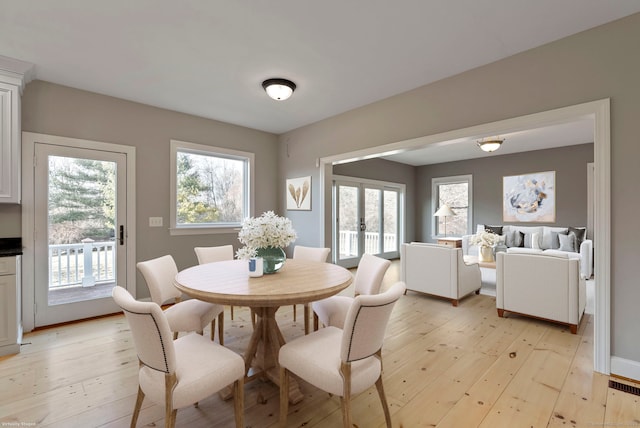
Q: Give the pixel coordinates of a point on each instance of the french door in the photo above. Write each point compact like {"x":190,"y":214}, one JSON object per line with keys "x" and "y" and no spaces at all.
{"x":80,"y":227}
{"x":368,"y":219}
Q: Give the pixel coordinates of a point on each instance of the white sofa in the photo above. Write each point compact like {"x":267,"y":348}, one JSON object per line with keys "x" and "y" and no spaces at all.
{"x":545,"y":286}
{"x":544,"y":244}
{"x":438,"y":270}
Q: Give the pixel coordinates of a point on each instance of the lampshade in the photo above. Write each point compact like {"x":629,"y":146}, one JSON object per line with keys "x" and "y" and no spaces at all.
{"x":490,"y":145}
{"x":279,"y":89}
{"x":444,"y":211}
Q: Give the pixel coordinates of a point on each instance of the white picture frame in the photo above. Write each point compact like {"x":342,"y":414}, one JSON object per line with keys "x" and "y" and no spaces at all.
{"x":529,"y":198}
{"x":298,"y":193}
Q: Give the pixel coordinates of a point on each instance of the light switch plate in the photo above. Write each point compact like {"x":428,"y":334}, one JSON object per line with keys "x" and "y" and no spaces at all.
{"x":155,"y":221}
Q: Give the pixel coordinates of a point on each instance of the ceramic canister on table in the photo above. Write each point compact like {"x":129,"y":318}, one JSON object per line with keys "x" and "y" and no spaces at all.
{"x":255,"y":267}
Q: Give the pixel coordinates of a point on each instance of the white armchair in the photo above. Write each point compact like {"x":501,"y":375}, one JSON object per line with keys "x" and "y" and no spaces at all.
{"x":439,"y":271}
{"x":545,"y":286}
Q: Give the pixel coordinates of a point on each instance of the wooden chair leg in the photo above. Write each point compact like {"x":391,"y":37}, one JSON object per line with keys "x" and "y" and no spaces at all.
{"x":294,"y":312}
{"x":136,"y":409}
{"x":170,"y":382}
{"x":231,"y":307}
{"x":284,"y":396}
{"x":345,"y":400}
{"x":175,"y":335}
{"x":383,"y":400}
{"x":220,"y":328}
{"x":172,"y":423}
{"x":213,"y":329}
{"x":238,"y":402}
{"x":307,"y":313}
{"x":316,"y":322}
{"x":345,"y":408}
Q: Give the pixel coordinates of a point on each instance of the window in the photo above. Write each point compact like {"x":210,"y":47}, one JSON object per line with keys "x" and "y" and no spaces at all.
{"x":210,"y":188}
{"x":457,"y":193}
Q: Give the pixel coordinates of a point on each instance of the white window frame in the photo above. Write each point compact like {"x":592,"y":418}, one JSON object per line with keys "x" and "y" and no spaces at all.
{"x":438,"y":181}
{"x":201,"y":149}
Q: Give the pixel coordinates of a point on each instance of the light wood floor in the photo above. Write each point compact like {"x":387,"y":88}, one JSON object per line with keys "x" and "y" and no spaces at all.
{"x":443,"y":367}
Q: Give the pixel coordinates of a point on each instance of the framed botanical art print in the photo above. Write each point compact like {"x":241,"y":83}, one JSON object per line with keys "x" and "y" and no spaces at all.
{"x":529,"y":197}
{"x":299,"y":193}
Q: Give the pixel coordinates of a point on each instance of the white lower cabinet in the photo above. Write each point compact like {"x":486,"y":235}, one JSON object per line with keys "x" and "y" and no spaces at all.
{"x":10,"y":327}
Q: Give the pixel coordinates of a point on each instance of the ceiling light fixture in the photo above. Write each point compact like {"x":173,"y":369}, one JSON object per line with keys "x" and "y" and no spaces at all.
{"x":279,"y":89}
{"x":490,"y":145}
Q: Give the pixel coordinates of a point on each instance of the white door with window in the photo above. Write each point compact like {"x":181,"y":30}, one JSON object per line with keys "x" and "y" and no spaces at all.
{"x":367,"y":219}
{"x":80,"y":228}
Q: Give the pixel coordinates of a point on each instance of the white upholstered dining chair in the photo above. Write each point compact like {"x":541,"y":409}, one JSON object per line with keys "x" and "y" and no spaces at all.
{"x":177,"y":373}
{"x":368,"y":279}
{"x":316,"y":255}
{"x":215,"y":254}
{"x":343,"y":362}
{"x":187,"y":315}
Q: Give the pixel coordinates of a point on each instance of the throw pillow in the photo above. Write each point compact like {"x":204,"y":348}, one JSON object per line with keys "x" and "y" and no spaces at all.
{"x":535,"y":241}
{"x":567,"y":243}
{"x":579,"y":233}
{"x":514,"y":239}
{"x":555,"y":241}
{"x":493,"y":229}
{"x":531,"y":240}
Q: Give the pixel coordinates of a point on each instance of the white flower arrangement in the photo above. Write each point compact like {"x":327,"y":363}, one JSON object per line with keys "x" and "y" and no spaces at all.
{"x":268,"y":230}
{"x":485,"y":239}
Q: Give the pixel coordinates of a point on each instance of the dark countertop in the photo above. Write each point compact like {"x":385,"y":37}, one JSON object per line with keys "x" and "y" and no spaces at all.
{"x":10,"y":247}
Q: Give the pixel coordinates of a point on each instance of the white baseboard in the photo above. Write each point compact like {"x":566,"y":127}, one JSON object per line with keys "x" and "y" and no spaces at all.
{"x":626,"y":368}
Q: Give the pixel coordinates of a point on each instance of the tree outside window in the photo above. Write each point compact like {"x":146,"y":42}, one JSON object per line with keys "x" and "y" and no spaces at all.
{"x":211,"y":186}
{"x":456,"y":193}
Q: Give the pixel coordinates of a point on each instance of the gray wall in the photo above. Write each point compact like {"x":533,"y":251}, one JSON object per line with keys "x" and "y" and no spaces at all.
{"x":10,"y":222}
{"x":592,"y":65}
{"x":569,"y":163}
{"x":57,"y":110}
{"x":384,"y":170}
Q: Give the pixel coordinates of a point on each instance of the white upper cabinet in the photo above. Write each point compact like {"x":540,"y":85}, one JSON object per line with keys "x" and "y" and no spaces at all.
{"x":14,"y":75}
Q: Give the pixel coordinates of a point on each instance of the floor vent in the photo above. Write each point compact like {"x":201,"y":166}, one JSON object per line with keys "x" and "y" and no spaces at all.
{"x":624,"y":387}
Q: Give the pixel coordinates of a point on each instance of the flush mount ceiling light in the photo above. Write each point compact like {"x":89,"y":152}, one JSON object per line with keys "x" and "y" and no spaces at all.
{"x":279,"y":89}
{"x":490,"y":145}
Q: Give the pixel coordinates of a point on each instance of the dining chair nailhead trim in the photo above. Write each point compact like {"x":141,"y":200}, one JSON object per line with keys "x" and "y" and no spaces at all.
{"x":355,"y":320}
{"x":164,"y":353}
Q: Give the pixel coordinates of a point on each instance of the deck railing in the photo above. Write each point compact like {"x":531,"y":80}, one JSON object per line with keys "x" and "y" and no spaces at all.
{"x":89,"y":263}
{"x":86,"y":263}
{"x":349,"y":242}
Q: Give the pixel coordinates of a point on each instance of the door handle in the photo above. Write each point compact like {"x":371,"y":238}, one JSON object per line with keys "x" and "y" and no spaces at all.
{"x":363,"y":226}
{"x":121,"y":235}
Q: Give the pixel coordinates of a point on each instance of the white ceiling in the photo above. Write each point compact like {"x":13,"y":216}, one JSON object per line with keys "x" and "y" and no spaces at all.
{"x":578,"y":131}
{"x":209,"y":57}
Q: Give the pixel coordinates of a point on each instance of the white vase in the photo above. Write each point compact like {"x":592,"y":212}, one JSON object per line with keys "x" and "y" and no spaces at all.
{"x":485,"y":253}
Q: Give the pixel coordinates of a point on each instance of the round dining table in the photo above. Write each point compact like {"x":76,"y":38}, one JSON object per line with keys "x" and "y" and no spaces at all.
{"x":297,"y":282}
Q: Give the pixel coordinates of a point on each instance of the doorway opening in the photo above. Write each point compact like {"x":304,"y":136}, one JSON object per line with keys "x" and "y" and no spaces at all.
{"x":599,"y":113}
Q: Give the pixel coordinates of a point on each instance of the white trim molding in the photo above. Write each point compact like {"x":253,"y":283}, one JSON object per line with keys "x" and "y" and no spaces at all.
{"x":29,"y":139}
{"x":625,"y":368}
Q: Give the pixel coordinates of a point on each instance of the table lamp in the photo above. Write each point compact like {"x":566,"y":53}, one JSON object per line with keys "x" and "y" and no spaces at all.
{"x":444,"y":211}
